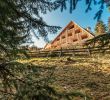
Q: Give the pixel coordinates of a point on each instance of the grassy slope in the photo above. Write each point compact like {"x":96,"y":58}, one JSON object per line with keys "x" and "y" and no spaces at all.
{"x":89,"y":75}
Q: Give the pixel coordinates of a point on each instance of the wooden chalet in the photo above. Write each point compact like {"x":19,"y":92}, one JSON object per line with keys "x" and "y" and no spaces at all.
{"x":72,"y":35}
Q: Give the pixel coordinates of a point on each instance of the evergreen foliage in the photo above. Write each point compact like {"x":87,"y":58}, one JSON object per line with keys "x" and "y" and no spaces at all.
{"x":62,"y":4}
{"x":100,"y":28}
{"x":99,"y":41}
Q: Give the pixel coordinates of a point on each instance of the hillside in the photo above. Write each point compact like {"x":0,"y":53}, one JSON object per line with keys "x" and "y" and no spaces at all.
{"x":89,"y":75}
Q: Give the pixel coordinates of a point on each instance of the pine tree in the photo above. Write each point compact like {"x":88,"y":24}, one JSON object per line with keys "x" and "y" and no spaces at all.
{"x":101,"y":40}
{"x":100,"y":28}
{"x":18,"y":18}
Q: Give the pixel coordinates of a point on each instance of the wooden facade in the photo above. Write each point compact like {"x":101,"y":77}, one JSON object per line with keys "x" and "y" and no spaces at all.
{"x":70,"y":36}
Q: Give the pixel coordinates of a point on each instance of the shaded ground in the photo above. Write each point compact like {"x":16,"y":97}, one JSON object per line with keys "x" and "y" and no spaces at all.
{"x":89,"y":75}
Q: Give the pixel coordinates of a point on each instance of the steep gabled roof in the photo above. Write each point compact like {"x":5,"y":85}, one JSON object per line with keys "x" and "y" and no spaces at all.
{"x":84,"y":29}
{"x":70,"y":23}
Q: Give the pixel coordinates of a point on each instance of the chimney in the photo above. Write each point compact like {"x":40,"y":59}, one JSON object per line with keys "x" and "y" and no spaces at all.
{"x":88,"y":29}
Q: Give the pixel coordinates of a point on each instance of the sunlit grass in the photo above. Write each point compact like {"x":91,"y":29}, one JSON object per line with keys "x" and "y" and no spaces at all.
{"x":88,"y":74}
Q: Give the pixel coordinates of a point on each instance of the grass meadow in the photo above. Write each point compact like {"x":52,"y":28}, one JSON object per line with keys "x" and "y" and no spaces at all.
{"x":89,"y":75}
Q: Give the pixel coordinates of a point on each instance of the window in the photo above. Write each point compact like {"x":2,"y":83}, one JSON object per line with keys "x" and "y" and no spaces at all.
{"x":84,"y":36}
{"x":69,"y":34}
{"x":63,"y":37}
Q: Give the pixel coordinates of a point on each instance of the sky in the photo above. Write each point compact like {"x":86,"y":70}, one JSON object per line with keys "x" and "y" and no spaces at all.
{"x":79,"y":16}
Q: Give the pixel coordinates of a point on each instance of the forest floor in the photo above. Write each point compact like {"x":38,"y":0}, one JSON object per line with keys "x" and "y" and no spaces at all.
{"x":87,"y":74}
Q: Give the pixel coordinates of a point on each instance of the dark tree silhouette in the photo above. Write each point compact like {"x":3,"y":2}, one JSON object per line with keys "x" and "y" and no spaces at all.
{"x":89,"y":3}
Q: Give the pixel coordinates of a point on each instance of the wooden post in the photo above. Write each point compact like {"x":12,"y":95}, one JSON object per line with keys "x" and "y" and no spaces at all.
{"x":89,"y":51}
{"x":48,"y":53}
{"x":60,"y":52}
{"x":38,"y":53}
{"x":73,"y":54}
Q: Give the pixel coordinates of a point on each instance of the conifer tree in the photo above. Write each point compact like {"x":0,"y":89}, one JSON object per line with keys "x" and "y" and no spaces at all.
{"x":100,"y":28}
{"x":18,"y":18}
